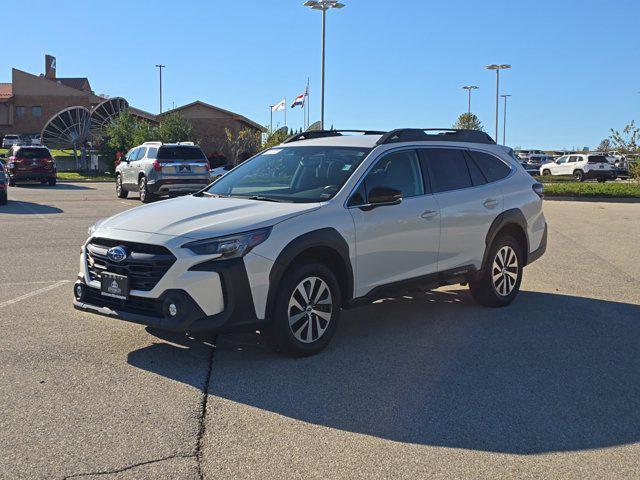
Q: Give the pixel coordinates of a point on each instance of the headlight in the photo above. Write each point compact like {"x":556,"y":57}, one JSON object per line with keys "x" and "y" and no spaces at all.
{"x":94,"y":227}
{"x":232,"y":246}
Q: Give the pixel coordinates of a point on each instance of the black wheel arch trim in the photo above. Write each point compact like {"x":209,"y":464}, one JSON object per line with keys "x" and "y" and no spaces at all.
{"x":513,"y":216}
{"x":325,"y":237}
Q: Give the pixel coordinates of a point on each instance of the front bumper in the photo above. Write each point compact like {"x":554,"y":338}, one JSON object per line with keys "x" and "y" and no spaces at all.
{"x":238,"y":313}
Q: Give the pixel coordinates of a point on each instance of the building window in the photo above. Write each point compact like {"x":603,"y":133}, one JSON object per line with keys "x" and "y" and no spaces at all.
{"x":36,"y":111}
{"x":20,"y":111}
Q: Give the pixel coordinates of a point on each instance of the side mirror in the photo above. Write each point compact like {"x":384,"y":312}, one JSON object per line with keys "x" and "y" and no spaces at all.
{"x":379,"y":196}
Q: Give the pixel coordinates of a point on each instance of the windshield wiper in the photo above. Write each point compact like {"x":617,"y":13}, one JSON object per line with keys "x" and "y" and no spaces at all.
{"x":264,"y":199}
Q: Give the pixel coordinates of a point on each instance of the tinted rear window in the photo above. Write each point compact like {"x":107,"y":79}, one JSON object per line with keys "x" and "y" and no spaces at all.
{"x":180,"y":153}
{"x":447,"y":169}
{"x":30,"y":152}
{"x":597,"y":159}
{"x":493,"y":168}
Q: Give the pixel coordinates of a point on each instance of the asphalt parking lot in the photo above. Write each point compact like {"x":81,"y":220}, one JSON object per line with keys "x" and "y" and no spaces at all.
{"x":430,"y":386}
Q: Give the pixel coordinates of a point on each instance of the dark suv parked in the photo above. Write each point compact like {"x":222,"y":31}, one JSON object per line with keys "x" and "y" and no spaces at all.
{"x":29,"y":163}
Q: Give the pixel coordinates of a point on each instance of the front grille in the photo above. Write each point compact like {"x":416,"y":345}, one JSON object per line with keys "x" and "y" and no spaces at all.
{"x":145,"y":265}
{"x":139,"y":305}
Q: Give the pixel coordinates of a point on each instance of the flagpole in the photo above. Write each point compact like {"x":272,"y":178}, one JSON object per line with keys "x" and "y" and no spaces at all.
{"x":271,"y":120}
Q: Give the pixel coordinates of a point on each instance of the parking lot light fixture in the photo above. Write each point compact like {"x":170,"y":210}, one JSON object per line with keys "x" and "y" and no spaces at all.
{"x":468,"y":88}
{"x":497,"y":68}
{"x":504,"y":119}
{"x":323,"y":5}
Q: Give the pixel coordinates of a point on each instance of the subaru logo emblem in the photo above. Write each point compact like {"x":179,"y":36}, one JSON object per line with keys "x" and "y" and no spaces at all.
{"x":117,"y":254}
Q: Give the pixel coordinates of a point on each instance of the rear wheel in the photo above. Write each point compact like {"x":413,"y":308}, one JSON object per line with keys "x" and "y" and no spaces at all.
{"x":52,"y":181}
{"x":145,"y":195}
{"x":578,"y":175}
{"x":546,"y":172}
{"x":499,"y":282}
{"x":120,"y":191}
{"x":307,"y":310}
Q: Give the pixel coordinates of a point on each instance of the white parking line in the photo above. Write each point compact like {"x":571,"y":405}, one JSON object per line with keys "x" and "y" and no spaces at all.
{"x":31,"y":294}
{"x":34,"y":282}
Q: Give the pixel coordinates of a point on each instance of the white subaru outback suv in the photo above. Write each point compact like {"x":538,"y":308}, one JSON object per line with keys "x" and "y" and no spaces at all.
{"x":324,"y":222}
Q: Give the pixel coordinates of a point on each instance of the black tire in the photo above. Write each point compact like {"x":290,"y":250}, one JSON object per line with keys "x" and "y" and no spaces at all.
{"x":3,"y":199}
{"x":285,"y":338}
{"x":52,"y":181}
{"x":120,"y":191}
{"x":12,"y":182}
{"x":145,"y":195}
{"x":483,"y":289}
{"x":578,"y":175}
{"x":43,"y":181}
{"x":602,"y":180}
{"x":546,"y":172}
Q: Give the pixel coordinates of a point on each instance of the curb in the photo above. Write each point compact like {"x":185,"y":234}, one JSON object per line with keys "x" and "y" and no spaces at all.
{"x":593,"y":199}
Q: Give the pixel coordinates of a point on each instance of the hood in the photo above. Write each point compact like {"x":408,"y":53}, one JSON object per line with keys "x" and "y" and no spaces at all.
{"x":204,"y":217}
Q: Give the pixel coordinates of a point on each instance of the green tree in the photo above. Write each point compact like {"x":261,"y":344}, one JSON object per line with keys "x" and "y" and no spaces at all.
{"x":604,"y":146}
{"x":275,"y":138}
{"x":468,"y":121}
{"x":175,"y":128}
{"x":243,"y":144}
{"x":124,"y":132}
{"x":627,"y":142}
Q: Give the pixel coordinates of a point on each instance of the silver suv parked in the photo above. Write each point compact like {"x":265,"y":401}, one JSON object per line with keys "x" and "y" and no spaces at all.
{"x":155,"y":169}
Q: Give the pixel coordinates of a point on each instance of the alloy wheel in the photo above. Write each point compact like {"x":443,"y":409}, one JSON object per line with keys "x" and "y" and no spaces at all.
{"x":504,"y":272}
{"x":310,"y":309}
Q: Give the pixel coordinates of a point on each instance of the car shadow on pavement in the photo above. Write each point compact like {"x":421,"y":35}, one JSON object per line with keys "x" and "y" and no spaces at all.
{"x":549,"y":373}
{"x":21,"y":207}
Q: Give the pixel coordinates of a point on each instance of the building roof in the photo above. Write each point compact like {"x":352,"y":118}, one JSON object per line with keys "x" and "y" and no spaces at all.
{"x":236,"y":116}
{"x":6,"y":90}
{"x":142,"y":114}
{"x":79,"y":83}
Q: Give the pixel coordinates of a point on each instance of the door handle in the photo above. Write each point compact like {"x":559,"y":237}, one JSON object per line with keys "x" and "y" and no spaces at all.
{"x":490,"y":202}
{"x":428,"y":214}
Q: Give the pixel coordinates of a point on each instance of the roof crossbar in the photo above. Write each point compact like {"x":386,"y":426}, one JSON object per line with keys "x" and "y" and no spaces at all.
{"x":429,"y":134}
{"x":328,"y":133}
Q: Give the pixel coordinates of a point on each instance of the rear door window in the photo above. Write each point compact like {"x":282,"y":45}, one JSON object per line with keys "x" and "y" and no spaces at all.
{"x":447,"y":168}
{"x":181,"y":153}
{"x":492,"y":167}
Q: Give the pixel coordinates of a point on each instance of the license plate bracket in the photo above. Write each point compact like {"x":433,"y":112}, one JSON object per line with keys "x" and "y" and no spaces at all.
{"x":114,"y":285}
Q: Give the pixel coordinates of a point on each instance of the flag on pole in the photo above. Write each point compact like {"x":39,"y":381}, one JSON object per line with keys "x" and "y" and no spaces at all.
{"x":299,"y":100}
{"x":281,"y":105}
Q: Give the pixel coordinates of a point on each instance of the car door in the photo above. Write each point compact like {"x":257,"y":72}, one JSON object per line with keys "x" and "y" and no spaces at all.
{"x":468,"y":202}
{"x":395,"y":242}
{"x":571,"y":164}
{"x":125,"y":168}
{"x":558,"y":165}
{"x":138,"y":164}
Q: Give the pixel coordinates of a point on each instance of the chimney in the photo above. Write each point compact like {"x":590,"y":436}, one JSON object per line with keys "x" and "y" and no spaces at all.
{"x":50,"y":67}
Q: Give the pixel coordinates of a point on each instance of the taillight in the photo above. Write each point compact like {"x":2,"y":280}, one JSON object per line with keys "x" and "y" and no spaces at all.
{"x":156,"y":166}
{"x":539,"y":189}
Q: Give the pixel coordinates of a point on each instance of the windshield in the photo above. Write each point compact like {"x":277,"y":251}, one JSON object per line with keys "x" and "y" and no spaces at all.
{"x":180,"y":153}
{"x":291,"y":174}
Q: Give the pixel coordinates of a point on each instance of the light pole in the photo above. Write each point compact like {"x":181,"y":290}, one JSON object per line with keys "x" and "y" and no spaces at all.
{"x":469,"y":88}
{"x":160,"y":67}
{"x":323,"y":5}
{"x":497,"y":68}
{"x":504,"y":120}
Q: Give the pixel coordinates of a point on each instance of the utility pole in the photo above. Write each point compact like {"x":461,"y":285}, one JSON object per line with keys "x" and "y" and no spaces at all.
{"x":160,"y":67}
{"x":504,"y":120}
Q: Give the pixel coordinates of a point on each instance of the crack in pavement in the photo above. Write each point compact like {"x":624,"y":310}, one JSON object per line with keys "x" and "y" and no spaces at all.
{"x":197,"y":455}
{"x":128,"y":467}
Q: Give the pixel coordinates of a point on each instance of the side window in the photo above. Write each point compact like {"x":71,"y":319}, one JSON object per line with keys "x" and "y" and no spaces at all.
{"x":492,"y":167}
{"x":399,"y":170}
{"x":573,"y":159}
{"x":447,"y":169}
{"x":477,"y":177}
{"x":141,"y":153}
{"x":359,"y":197}
{"x":152,"y":153}
{"x":132,"y":154}
{"x":562,"y":160}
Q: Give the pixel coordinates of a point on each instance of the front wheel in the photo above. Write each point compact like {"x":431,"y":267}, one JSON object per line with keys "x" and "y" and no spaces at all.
{"x":145,"y":195}
{"x":498,"y":283}
{"x":306,"y":311}
{"x":120,"y":191}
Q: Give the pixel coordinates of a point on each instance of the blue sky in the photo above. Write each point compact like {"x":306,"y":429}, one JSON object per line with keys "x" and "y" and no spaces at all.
{"x":576,"y":64}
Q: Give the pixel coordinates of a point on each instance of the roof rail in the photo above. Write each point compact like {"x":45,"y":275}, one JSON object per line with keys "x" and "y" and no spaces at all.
{"x":152,"y":143}
{"x":444,"y":134}
{"x":328,"y":133}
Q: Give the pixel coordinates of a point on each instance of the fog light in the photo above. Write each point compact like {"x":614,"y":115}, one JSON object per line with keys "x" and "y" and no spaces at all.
{"x":78,"y":291}
{"x":173,"y":310}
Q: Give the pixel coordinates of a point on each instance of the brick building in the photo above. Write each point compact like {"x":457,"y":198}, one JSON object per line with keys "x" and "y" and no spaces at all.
{"x":209,"y":125}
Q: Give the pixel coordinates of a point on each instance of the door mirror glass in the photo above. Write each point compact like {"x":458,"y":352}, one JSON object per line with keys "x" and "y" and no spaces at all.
{"x":384,"y":196}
